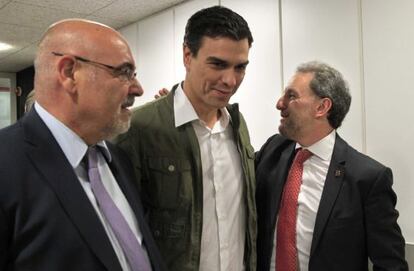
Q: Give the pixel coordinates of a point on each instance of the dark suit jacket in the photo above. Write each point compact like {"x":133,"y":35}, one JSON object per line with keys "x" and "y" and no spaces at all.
{"x":46,"y":220}
{"x":356,"y":219}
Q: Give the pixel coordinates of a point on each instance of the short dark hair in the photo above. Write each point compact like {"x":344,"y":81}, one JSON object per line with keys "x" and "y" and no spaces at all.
{"x":327,"y":82}
{"x":212,"y":22}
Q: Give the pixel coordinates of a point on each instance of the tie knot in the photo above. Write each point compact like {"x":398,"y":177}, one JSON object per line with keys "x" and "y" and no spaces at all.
{"x":302,"y":155}
{"x":92,"y":157}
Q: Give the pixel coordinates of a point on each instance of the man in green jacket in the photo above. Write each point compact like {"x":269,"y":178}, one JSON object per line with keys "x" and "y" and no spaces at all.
{"x":192,"y":154}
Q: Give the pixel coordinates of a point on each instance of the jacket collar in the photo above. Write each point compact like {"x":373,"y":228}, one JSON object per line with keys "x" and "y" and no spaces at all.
{"x":47,"y":157}
{"x":184,"y":111}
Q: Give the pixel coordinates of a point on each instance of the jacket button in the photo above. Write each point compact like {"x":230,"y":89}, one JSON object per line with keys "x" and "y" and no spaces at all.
{"x":171,"y":168}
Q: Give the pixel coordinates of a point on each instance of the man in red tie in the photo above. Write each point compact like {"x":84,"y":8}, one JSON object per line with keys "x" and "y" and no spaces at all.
{"x":322,"y":205}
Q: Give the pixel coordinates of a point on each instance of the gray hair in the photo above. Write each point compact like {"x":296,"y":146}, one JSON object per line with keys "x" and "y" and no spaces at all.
{"x":327,"y":82}
{"x":30,"y":99}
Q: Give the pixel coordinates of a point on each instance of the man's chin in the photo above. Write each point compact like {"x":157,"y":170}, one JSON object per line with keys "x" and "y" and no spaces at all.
{"x":119,"y":128}
{"x":123,"y":127}
{"x":283,"y":131}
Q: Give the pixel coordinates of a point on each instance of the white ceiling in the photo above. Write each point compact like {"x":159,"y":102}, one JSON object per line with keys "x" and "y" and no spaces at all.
{"x":22,"y":22}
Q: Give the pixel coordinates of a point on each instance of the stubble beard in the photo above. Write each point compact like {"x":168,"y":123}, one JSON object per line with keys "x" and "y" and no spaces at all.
{"x":289,"y":130}
{"x":118,"y":126}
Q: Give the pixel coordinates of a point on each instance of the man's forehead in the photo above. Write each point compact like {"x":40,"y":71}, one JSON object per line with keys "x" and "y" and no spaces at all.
{"x":299,"y":81}
{"x":220,"y":41}
{"x":115,"y":50}
{"x":226,"y":50}
{"x":301,"y":78}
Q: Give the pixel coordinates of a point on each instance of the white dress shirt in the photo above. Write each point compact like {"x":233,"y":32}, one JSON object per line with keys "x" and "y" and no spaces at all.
{"x":75,"y":149}
{"x":315,"y":170}
{"x":224,"y":218}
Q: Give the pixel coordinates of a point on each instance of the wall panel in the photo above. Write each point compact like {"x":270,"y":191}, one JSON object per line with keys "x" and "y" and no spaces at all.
{"x":388,"y":59}
{"x":262,"y":84}
{"x":155,"y":54}
{"x":327,"y":31}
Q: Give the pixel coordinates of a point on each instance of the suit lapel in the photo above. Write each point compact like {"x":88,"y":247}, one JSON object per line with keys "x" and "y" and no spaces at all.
{"x":332,"y":187}
{"x":46,"y":155}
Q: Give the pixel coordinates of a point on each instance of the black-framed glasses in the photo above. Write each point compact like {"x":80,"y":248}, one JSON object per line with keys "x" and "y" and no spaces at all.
{"x":125,"y":72}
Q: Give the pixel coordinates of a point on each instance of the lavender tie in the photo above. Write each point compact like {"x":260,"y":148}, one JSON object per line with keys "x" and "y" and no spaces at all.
{"x":126,"y":238}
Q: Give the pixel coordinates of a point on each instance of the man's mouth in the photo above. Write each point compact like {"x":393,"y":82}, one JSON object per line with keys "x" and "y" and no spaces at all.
{"x":223,"y":92}
{"x":128,"y":102}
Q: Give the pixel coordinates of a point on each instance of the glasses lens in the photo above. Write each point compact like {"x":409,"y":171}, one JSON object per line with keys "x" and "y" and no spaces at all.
{"x":125,"y":72}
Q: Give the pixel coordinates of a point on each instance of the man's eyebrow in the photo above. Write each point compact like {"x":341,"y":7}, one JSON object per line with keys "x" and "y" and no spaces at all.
{"x":244,"y":63}
{"x":215,"y":59}
{"x":126,"y":64}
{"x":289,"y":89}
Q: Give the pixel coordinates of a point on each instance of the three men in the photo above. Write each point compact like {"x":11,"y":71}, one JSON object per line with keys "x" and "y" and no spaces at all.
{"x":192,"y":153}
{"x":345,"y":203}
{"x":67,"y":200}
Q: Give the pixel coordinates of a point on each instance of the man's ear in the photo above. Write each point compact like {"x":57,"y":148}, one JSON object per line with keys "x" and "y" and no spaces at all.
{"x":187,"y":55}
{"x":66,"y":72}
{"x":323,"y":108}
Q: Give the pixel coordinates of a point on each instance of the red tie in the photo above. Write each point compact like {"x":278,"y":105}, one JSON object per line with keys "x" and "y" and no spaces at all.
{"x":286,"y":253}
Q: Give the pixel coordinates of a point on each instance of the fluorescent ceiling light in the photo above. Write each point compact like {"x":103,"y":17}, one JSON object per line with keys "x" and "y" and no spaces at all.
{"x":4,"y":46}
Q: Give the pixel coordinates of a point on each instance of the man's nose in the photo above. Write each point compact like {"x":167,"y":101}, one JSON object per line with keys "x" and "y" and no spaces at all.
{"x":135,"y":88}
{"x":280,"y":104}
{"x":230,"y":78}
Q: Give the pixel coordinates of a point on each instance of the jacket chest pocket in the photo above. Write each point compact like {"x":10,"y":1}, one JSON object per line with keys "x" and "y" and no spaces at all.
{"x":169,"y":182}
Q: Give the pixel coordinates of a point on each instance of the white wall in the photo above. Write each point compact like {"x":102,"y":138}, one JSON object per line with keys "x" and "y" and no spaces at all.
{"x":262,"y":84}
{"x":370,"y":41}
{"x":388,"y":37}
{"x":327,"y":31}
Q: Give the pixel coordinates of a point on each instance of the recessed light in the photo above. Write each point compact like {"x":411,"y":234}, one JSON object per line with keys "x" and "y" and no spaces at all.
{"x":5,"y":46}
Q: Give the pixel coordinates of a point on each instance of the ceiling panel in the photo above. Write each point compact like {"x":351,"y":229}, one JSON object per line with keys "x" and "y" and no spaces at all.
{"x":132,"y":10}
{"x":22,"y":22}
{"x":4,"y":2}
{"x":17,"y":34}
{"x":19,"y":61}
{"x":33,"y":16}
{"x":78,"y":6}
{"x":114,"y":23}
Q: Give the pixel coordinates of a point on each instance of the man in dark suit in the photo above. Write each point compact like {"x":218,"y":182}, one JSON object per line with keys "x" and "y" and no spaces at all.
{"x":343,"y":211}
{"x":57,"y":211}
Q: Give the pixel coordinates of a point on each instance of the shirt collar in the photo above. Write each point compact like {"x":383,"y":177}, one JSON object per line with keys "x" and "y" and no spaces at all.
{"x":184,"y":111}
{"x":324,"y":147}
{"x":71,"y":144}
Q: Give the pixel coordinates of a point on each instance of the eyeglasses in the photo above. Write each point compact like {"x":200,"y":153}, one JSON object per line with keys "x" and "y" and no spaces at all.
{"x":124,"y":72}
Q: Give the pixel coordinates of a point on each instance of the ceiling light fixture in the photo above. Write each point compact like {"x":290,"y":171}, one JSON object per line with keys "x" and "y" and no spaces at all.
{"x":5,"y":46}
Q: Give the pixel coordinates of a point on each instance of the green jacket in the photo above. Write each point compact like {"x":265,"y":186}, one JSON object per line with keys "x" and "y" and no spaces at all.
{"x":168,"y":168}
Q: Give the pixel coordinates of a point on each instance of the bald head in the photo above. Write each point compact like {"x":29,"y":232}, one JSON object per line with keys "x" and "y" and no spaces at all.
{"x":76,"y":37}
{"x":79,"y":62}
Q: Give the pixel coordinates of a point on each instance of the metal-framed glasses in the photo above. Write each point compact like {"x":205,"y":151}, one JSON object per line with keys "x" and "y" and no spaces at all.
{"x":124,"y":72}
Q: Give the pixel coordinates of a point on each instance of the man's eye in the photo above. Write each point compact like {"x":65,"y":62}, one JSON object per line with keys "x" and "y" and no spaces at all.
{"x":290,"y":95}
{"x":241,"y":68}
{"x":220,"y":65}
{"x":124,"y":73}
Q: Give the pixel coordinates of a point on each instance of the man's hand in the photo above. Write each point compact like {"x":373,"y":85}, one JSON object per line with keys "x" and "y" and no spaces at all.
{"x":161,"y":92}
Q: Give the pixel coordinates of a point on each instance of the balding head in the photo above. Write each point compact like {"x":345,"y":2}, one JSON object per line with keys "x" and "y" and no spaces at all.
{"x":76,"y":37}
{"x":81,"y":68}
